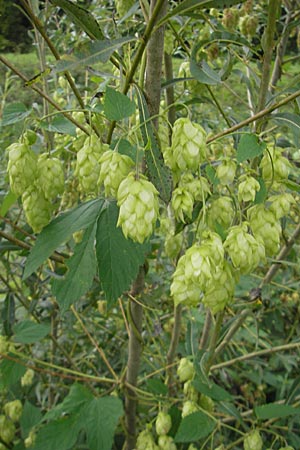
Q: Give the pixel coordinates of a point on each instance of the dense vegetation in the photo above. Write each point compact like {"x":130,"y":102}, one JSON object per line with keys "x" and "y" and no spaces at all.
{"x":149,"y":235}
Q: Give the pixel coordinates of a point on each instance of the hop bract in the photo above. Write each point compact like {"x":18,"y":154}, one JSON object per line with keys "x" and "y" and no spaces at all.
{"x":13,"y":410}
{"x":114,"y":167}
{"x":182,"y":203}
{"x":166,"y":443}
{"x":220,"y":289}
{"x":184,"y":290}
{"x":22,"y":166}
{"x":145,"y":441}
{"x":265,"y":227}
{"x":253,"y":441}
{"x":275,"y":167}
{"x":221,"y":212}
{"x":281,"y":204}
{"x":188,"y":408}
{"x":138,"y":202}
{"x":226,"y":171}
{"x":50,"y":176}
{"x":185,"y":370}
{"x":88,"y":166}
{"x":188,"y":144}
{"x":38,"y":210}
{"x":197,"y":186}
{"x":244,"y":250}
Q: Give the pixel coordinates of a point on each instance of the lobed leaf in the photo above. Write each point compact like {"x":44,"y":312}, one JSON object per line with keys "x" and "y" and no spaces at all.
{"x":249,"y":147}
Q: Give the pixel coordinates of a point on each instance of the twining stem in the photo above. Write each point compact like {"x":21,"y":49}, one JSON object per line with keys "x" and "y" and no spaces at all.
{"x":133,"y":362}
{"x":206,"y":330}
{"x":173,"y":344}
{"x":170,"y":90}
{"x":213,"y":340}
{"x":268,"y":52}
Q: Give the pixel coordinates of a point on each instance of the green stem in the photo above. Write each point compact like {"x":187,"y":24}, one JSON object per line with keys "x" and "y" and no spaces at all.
{"x":268,"y":53}
{"x":213,"y":340}
{"x":206,"y":330}
{"x":173,"y":344}
{"x":170,"y":90}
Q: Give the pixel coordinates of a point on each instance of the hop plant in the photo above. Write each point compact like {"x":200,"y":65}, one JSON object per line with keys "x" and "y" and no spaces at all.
{"x":220,"y":290}
{"x":281,"y":204}
{"x":230,"y":18}
{"x":13,"y":410}
{"x":275,"y":167}
{"x":22,"y":166}
{"x":247,"y":189}
{"x":7,"y":429}
{"x":253,"y":441}
{"x":188,"y":144}
{"x":30,"y":440}
{"x":173,"y":244}
{"x":88,"y":166}
{"x":166,"y":443}
{"x":38,"y":210}
{"x":182,"y":203}
{"x":27,"y":378}
{"x":145,"y":441}
{"x":206,"y":403}
{"x":248,"y":25}
{"x":221,"y":212}
{"x":50,"y":176}
{"x":183,"y":290}
{"x":138,"y":202}
{"x":197,"y":186}
{"x":245,"y":251}
{"x":163,"y":423}
{"x":114,"y":167}
{"x":226,"y":171}
{"x":188,"y":408}
{"x":265,"y":227}
{"x":185,"y":370}
{"x":199,"y":264}
{"x":190,"y":392}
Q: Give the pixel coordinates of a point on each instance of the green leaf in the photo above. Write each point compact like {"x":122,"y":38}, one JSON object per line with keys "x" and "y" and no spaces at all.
{"x":31,"y":416}
{"x":91,"y":53}
{"x":157,"y":387}
{"x":212,"y":175}
{"x":212,"y":390}
{"x":100,"y":422}
{"x":82,"y":269}
{"x":60,"y":434}
{"x":10,"y":372}
{"x":81,"y":17}
{"x":60,"y":230}
{"x":8,"y":201}
{"x":191,"y":5}
{"x":158,"y":173}
{"x":119,"y":259}
{"x":14,"y":112}
{"x":262,"y":194}
{"x":77,"y":398}
{"x":59,"y":125}
{"x":28,"y":332}
{"x":117,"y":106}
{"x":274,"y":410}
{"x":249,"y":147}
{"x":202,"y":71}
{"x":230,"y":409}
{"x":193,"y":427}
{"x":290,"y":120}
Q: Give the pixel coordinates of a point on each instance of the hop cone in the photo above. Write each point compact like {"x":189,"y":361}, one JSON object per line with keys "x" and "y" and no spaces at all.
{"x":163,"y":423}
{"x":88,"y":166}
{"x":138,"y":201}
{"x":197,"y":186}
{"x":266,"y":227}
{"x":22,"y":163}
{"x":253,"y":441}
{"x":247,"y":189}
{"x":166,"y":443}
{"x":182,"y":203}
{"x":50,"y":176}
{"x":188,"y":144}
{"x":276,"y":168}
{"x":200,"y":264}
{"x":221,"y":212}
{"x":185,"y":370}
{"x":13,"y":410}
{"x":182,"y":290}
{"x":220,"y":289}
{"x":226,"y":171}
{"x":188,"y":408}
{"x":145,"y":441}
{"x":37,"y":208}
{"x":114,"y":167}
{"x":281,"y":204}
{"x":245,"y":251}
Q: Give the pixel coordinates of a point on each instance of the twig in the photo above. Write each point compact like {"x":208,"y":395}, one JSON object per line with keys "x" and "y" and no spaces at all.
{"x":174,"y":343}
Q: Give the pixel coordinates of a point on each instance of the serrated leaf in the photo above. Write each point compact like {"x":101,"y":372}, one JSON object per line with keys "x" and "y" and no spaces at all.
{"x":100,"y":421}
{"x":118,"y":258}
{"x":117,"y":106}
{"x":274,"y":410}
{"x":91,"y":53}
{"x":60,"y":434}
{"x":14,"y":112}
{"x":212,"y":390}
{"x":60,"y":230}
{"x":10,"y":372}
{"x":31,"y":416}
{"x":193,"y":427}
{"x":77,"y":398}
{"x":81,"y":272}
{"x":249,"y":147}
{"x":158,"y":173}
{"x":59,"y":125}
{"x":288,"y":119}
{"x":28,"y":332}
{"x":83,"y":18}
